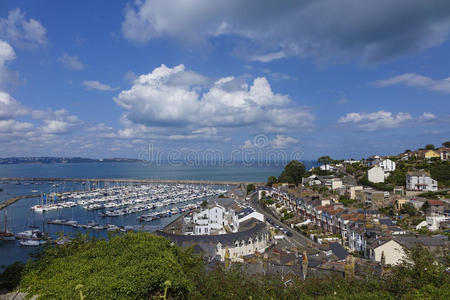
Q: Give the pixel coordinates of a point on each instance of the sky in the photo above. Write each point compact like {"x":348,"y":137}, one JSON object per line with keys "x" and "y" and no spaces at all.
{"x":301,"y":78}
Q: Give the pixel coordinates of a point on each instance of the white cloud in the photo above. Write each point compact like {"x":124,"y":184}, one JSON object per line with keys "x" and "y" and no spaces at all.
{"x":373,"y":31}
{"x":95,"y":85}
{"x":7,"y":54}
{"x":20,"y":32}
{"x":175,"y":97}
{"x":427,"y":116}
{"x":13,"y":126}
{"x":10,"y":107}
{"x":268,"y":56}
{"x":72,"y":62}
{"x":418,"y":81}
{"x":376,"y":120}
{"x":282,"y":141}
{"x":57,"y":121}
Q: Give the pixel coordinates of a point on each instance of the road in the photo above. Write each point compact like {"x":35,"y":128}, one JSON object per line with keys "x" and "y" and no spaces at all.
{"x":297,"y":238}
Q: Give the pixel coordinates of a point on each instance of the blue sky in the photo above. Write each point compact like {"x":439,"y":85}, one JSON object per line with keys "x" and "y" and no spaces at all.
{"x":109,"y":78}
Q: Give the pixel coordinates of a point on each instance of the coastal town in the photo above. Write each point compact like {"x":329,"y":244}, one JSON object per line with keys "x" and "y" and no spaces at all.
{"x":341,"y":216}
{"x":344,"y":217}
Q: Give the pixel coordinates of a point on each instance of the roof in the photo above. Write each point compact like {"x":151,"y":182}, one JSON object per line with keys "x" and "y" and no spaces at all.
{"x":435,"y":202}
{"x":250,"y":228}
{"x":417,"y":173}
{"x":338,"y":250}
{"x":427,"y":241}
{"x":245,"y":212}
{"x":387,"y":222}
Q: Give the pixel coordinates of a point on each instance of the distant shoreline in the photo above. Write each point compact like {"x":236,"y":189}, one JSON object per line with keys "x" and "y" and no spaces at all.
{"x":129,"y":180}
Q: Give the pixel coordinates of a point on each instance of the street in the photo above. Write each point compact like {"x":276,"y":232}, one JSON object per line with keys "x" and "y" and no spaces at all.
{"x":297,"y":239}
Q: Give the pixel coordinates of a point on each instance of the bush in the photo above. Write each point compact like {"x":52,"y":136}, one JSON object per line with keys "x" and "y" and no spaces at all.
{"x":138,"y":266}
{"x":134,"y":265}
{"x":10,"y":278}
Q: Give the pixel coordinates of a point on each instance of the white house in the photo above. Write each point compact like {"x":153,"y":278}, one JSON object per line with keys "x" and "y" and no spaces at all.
{"x":215,"y":219}
{"x":326,"y":167}
{"x":387,"y":165}
{"x":433,"y":222}
{"x":393,"y":252}
{"x":420,"y":181}
{"x":376,"y":174}
{"x":248,"y":213}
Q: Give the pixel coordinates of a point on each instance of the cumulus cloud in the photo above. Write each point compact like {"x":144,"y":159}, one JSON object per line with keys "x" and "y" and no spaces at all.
{"x":418,"y":81}
{"x":22,"y":33}
{"x":71,"y":62}
{"x":7,"y":54}
{"x":95,"y":85}
{"x":57,"y":121}
{"x":282,"y":141}
{"x":377,"y":120}
{"x":176,"y":97}
{"x":10,"y":107}
{"x":372,"y":30}
{"x":13,"y":126}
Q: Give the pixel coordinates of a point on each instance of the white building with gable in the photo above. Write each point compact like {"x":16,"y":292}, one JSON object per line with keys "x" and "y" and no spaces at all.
{"x":376,"y":175}
{"x":387,"y":165}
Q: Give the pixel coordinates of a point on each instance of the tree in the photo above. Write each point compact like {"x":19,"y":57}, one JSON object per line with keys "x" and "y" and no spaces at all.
{"x":446,"y":144}
{"x":325,"y":160}
{"x":293,"y":172}
{"x":425,"y":206}
{"x":250,"y":188}
{"x":409,"y":209}
{"x":130,"y":266}
{"x":271,"y":180}
{"x":407,"y":151}
{"x":429,"y":147}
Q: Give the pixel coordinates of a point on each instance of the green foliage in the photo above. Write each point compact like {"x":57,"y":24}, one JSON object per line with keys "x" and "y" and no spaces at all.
{"x":429,"y":147}
{"x":144,"y":266}
{"x":271,"y":180}
{"x":345,"y":201}
{"x":440,"y":171}
{"x":293,"y":172}
{"x":325,"y":160}
{"x":10,"y":277}
{"x":422,"y":271}
{"x":446,"y":144}
{"x":204,"y":203}
{"x":285,"y":178}
{"x":409,"y":209}
{"x":250,"y":188}
{"x":134,"y":265}
{"x":433,"y":195}
{"x":425,"y":206}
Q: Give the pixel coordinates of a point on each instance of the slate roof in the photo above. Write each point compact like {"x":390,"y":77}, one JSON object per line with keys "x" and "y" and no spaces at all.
{"x":338,"y":250}
{"x":427,"y":241}
{"x":387,"y":222}
{"x":245,"y":212}
{"x":250,"y":228}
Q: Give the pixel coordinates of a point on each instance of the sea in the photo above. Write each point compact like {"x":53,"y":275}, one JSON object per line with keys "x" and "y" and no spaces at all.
{"x":21,"y":217}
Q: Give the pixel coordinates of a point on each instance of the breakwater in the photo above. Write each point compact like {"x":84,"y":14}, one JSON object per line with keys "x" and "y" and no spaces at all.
{"x":14,"y":199}
{"x":129,"y":180}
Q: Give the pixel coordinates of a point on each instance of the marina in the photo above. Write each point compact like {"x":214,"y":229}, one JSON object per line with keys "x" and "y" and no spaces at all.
{"x":53,"y":212}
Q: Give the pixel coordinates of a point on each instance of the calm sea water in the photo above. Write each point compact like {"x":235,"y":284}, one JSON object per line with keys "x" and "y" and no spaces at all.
{"x":20,"y":217}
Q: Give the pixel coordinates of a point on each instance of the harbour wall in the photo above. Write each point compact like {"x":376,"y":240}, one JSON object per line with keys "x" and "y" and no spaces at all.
{"x":130,"y":180}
